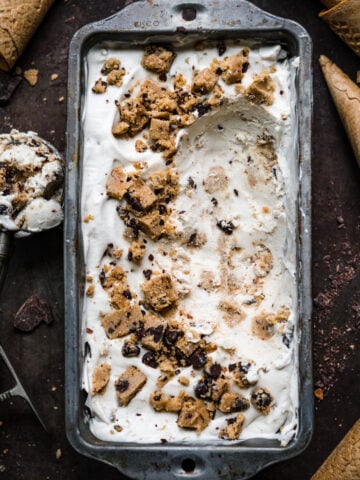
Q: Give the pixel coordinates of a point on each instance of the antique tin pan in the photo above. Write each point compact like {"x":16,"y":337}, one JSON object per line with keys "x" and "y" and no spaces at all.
{"x":141,"y":23}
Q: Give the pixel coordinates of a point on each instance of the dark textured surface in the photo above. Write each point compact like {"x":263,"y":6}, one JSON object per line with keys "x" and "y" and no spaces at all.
{"x":27,"y":452}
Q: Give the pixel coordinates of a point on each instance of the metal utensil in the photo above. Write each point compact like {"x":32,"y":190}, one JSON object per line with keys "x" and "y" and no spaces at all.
{"x":6,"y":238}
{"x":18,"y":390}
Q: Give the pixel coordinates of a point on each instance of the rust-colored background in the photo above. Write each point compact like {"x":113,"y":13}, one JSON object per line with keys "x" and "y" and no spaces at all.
{"x":26,"y":451}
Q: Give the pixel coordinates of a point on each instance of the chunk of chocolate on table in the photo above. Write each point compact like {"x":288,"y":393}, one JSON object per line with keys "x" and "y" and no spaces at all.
{"x":129,"y":384}
{"x":33,"y":311}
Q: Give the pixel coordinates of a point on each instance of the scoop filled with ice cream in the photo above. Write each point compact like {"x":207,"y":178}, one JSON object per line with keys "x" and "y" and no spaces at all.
{"x":31,"y":179}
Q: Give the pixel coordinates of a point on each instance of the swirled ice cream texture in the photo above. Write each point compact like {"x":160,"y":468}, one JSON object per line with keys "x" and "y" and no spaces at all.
{"x":238,"y":289}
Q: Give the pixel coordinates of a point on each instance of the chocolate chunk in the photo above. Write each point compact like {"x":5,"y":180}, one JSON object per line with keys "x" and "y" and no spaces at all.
{"x":150,"y":359}
{"x":127,"y":294}
{"x":121,"y":385}
{"x":198,"y":358}
{"x":226,"y":227}
{"x":215,"y":370}
{"x":203,"y":389}
{"x":221,"y":48}
{"x":34,"y":311}
{"x":286,"y":339}
{"x":147,"y":274}
{"x":172,"y":336}
{"x":130,"y":349}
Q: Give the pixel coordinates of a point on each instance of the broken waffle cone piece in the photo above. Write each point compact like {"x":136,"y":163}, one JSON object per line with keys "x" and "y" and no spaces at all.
{"x":343,"y":462}
{"x":346,"y":96}
{"x":343,"y":17}
{"x":18,"y":21}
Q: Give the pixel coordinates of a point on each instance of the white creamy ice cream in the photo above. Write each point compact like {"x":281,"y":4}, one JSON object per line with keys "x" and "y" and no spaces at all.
{"x":31,"y":177}
{"x":231,"y":254}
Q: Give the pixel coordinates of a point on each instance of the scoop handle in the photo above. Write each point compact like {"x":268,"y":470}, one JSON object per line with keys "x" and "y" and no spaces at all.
{"x":5,"y":244}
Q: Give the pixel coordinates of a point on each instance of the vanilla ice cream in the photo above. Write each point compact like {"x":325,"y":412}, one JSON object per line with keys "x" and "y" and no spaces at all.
{"x":189,"y":187}
{"x":31,"y":177}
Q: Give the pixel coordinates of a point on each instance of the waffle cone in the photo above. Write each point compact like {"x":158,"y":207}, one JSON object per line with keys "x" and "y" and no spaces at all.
{"x":343,"y":17}
{"x":18,"y":21}
{"x":344,"y":462}
{"x":346,"y":96}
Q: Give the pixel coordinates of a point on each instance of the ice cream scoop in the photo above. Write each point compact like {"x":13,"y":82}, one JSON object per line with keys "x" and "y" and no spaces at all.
{"x":31,"y":177}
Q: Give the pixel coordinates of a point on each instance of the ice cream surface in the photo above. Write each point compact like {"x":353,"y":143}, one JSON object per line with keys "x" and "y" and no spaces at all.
{"x":31,"y":177}
{"x":189,"y":189}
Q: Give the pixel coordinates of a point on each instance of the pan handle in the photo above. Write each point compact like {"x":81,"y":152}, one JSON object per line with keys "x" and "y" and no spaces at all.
{"x":5,"y":246}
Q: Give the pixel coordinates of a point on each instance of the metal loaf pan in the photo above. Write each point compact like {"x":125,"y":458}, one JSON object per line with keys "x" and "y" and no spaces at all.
{"x":138,"y":24}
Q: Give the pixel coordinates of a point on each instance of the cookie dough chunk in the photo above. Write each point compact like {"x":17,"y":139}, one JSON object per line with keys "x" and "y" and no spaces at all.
{"x":239,"y":371}
{"x":204,"y":81}
{"x":119,"y":323}
{"x":234,"y":427}
{"x":264,"y":325}
{"x":118,"y":183}
{"x":261,"y":91}
{"x":139,"y":196}
{"x":219,"y":388}
{"x":100,"y":378}
{"x":235,"y":66}
{"x":134,"y":114}
{"x":129,"y":384}
{"x":233,"y":402}
{"x":116,"y":77}
{"x":136,"y":251}
{"x":194,"y":415}
{"x":120,"y":129}
{"x":157,"y":59}
{"x":262,"y":261}
{"x":216,"y":180}
{"x":261,"y":400}
{"x":163,"y":403}
{"x":154,"y":328}
{"x":100,"y":86}
{"x":109,"y":65}
{"x":159,"y":129}
{"x":152,"y":224}
{"x":159,"y":292}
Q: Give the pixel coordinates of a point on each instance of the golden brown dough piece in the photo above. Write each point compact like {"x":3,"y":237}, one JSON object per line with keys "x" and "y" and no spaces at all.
{"x":346,"y":96}
{"x":343,"y":462}
{"x":18,"y":21}
{"x":343,"y":17}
